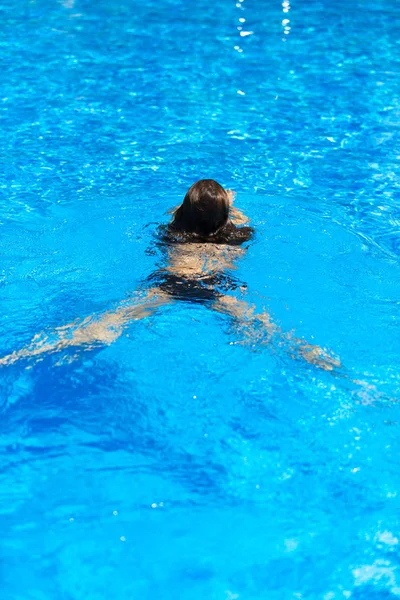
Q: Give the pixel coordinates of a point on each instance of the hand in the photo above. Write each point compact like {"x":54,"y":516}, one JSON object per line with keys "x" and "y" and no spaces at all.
{"x":231,"y":196}
{"x":237,"y":217}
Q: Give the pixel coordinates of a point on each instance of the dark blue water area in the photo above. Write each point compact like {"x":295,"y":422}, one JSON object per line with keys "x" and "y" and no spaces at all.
{"x":188,"y":460}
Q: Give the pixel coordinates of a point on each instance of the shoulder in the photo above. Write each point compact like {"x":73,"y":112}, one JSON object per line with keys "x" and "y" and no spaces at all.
{"x":229,"y":234}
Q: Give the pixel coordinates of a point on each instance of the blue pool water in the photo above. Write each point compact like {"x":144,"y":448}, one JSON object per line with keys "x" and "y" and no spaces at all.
{"x":178,"y":462}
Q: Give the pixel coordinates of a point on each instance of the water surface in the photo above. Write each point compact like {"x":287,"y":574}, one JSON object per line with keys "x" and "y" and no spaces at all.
{"x":179,"y":462}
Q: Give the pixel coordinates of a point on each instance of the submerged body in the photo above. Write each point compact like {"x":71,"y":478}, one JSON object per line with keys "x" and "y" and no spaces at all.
{"x":201,"y":270}
{"x":201,"y":247}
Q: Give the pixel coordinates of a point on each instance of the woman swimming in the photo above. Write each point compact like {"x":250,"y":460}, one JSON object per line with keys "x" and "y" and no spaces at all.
{"x":201,"y":244}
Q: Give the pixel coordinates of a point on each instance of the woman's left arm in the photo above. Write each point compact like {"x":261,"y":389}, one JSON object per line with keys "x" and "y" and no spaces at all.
{"x":236,"y":215}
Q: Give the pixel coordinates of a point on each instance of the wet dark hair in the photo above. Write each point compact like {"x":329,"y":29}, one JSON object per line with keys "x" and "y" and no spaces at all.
{"x":205,"y":209}
{"x":203,"y":216}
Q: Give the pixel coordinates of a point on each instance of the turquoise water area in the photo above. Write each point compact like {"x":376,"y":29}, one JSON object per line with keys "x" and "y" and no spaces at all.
{"x":179,"y":462}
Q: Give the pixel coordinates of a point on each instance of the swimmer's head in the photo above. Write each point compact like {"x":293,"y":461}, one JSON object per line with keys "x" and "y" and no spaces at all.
{"x":204,"y":210}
